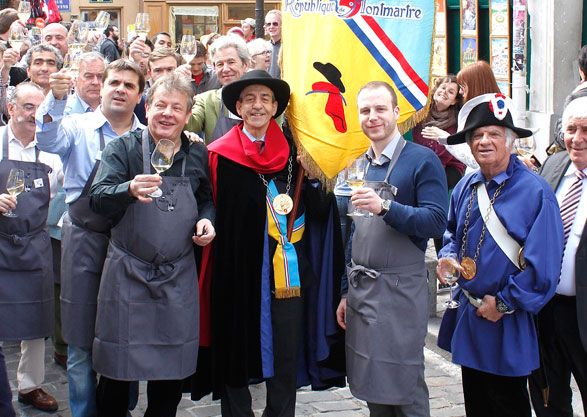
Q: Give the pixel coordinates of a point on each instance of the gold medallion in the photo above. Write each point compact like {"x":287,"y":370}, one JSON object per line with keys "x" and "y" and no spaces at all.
{"x":282,"y":204}
{"x":469,"y":268}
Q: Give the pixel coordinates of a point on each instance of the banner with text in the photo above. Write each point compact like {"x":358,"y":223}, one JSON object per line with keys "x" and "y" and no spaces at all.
{"x":331,"y":48}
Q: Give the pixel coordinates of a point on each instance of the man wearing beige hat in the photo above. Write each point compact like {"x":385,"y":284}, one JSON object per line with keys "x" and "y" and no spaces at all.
{"x":248,"y":27}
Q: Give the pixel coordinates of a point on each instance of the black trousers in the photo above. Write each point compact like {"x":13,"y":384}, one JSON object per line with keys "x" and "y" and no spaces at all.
{"x":489,"y":395}
{"x":286,"y":318}
{"x":562,"y":354}
{"x":163,"y":397}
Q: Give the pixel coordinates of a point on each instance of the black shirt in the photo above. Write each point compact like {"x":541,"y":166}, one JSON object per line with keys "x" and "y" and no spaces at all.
{"x":122,"y":160}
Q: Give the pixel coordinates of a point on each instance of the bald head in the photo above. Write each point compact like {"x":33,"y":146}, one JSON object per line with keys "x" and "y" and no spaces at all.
{"x":55,"y":35}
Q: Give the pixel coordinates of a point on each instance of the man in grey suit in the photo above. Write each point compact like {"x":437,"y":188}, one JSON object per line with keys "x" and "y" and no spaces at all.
{"x":562,"y":323}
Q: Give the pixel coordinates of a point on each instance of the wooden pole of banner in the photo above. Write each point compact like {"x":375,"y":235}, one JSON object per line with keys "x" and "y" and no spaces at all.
{"x":296,"y":202}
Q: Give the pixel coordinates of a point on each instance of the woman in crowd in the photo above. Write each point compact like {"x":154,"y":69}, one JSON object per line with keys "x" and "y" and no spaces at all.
{"x":260,"y":52}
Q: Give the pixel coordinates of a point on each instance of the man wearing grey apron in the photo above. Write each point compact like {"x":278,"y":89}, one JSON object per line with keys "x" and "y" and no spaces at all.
{"x":385,"y":311}
{"x":26,"y":268}
{"x":231,"y":60}
{"x":147,"y":322}
{"x":79,"y":140}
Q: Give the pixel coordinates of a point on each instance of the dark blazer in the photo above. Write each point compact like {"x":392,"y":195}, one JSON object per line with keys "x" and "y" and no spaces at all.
{"x":553,"y":171}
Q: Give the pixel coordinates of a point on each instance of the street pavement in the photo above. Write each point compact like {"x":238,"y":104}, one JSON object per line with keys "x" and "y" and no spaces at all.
{"x":442,"y":376}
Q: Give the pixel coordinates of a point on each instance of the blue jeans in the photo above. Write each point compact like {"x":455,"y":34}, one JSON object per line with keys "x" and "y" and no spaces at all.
{"x":5,"y":393}
{"x":82,"y":381}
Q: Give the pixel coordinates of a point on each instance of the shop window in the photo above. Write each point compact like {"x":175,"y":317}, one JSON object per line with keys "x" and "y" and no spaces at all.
{"x":90,"y":16}
{"x":192,"y":20}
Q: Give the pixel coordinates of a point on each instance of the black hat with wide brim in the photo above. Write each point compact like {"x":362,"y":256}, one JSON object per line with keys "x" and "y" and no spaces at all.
{"x":231,"y":92}
{"x":486,"y":110}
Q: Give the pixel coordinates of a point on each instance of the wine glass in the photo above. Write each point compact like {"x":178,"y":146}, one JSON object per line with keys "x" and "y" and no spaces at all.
{"x":35,"y":35}
{"x":142,"y":25}
{"x":355,"y":178}
{"x":71,"y":63}
{"x":525,"y":146}
{"x":24,"y":11}
{"x":188,"y":47}
{"x":448,"y":271}
{"x":77,"y":38}
{"x":14,"y":186}
{"x":162,"y":159}
{"x":17,"y":36}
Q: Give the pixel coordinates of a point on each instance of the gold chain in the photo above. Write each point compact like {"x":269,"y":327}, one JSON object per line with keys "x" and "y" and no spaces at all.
{"x":486,"y":217}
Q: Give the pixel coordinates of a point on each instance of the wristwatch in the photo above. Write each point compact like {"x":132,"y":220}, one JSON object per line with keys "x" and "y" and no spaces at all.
{"x":385,"y":205}
{"x":501,"y":306}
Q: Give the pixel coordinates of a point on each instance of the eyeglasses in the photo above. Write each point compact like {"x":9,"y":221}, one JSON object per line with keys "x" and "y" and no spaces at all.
{"x":266,"y":53}
{"x":272,"y":23}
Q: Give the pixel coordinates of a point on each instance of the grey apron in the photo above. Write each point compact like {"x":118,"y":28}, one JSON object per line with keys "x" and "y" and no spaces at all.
{"x":147,"y":326}
{"x":84,"y":241}
{"x":387,"y":305}
{"x":26,"y":264}
{"x":223,"y":125}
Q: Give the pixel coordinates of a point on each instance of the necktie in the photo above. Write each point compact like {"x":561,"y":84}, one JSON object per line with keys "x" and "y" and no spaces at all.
{"x":570,"y":203}
{"x":259,"y":144}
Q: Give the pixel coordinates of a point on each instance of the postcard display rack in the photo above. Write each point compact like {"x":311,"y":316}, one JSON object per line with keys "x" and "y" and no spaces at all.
{"x":439,"y":53}
{"x":469,"y":32}
{"x":499,"y":39}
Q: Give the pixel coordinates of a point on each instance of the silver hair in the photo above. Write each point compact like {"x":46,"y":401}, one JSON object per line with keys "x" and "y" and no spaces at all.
{"x":91,"y":57}
{"x":43,"y":47}
{"x":173,"y":82}
{"x":237,"y":43}
{"x":257,"y":46}
{"x":16,"y":90}
{"x":576,"y":109}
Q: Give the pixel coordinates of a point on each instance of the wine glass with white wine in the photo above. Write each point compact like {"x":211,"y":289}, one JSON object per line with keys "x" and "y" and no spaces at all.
{"x":14,"y":186}
{"x":162,"y":159}
{"x":188,"y":47}
{"x":24,"y":11}
{"x":525,"y":146}
{"x":355,"y":178}
{"x":449,"y":272}
{"x":17,"y":36}
{"x":77,"y":37}
{"x":142,"y":25}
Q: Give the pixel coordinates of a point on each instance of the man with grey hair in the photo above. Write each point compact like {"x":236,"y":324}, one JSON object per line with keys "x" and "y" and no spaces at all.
{"x":231,"y":60}
{"x":26,"y":274}
{"x":504,"y":239}
{"x":562,"y":323}
{"x":150,"y":280}
{"x":41,"y":61}
{"x":55,"y":34}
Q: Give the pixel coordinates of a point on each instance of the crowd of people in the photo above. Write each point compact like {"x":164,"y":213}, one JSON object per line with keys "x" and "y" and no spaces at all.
{"x":223,"y":261}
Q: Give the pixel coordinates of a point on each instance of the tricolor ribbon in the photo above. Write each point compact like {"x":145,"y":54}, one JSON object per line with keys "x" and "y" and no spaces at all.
{"x":285,"y":260}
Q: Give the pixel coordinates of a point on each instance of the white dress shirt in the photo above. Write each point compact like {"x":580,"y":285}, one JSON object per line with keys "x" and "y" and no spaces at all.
{"x":18,"y":152}
{"x":566,"y":285}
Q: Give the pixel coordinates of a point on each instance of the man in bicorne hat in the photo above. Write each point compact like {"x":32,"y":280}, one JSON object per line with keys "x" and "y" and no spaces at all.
{"x":264,"y":285}
{"x":505,"y":228}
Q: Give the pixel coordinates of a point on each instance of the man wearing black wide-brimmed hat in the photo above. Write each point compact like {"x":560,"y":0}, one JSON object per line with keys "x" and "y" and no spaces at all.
{"x":504,"y":227}
{"x":264,"y":286}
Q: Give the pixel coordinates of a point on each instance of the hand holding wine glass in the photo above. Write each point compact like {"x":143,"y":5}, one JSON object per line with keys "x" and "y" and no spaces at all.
{"x":525,"y":146}
{"x":355,"y":178}
{"x":162,"y":159}
{"x":14,"y":186}
{"x":449,"y":271}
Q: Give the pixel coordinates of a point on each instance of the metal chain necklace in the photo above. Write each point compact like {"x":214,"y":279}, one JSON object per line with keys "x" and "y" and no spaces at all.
{"x":282,"y":203}
{"x":470,"y":265}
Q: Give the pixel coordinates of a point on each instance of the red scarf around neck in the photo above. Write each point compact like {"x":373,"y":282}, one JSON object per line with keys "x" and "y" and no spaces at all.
{"x":237,"y":147}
